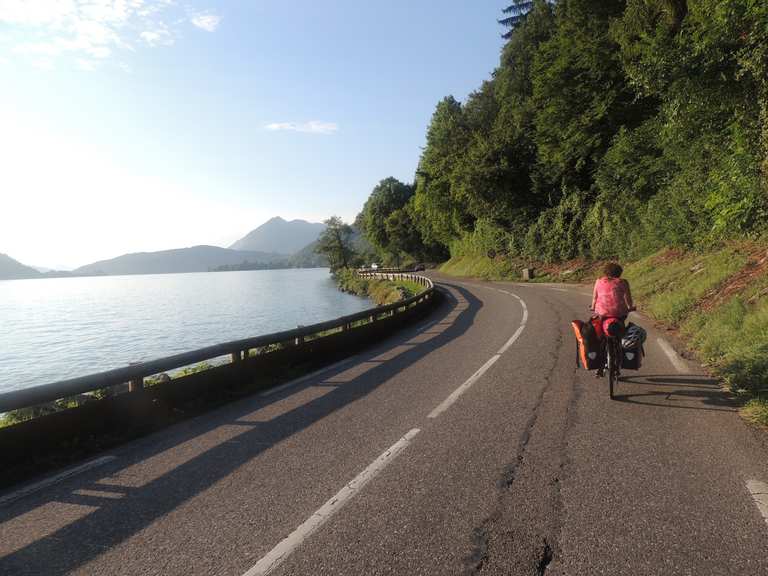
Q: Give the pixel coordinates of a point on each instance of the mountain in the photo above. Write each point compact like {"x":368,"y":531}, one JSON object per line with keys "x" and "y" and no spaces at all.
{"x":280,"y":236}
{"x":308,"y":258}
{"x":11,"y":269}
{"x":194,"y":259}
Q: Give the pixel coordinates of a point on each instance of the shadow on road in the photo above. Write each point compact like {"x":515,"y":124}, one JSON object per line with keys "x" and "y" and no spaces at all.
{"x":681,"y":391}
{"x":115,"y":511}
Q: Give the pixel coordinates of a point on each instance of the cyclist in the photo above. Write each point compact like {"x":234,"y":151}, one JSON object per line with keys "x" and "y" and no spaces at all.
{"x":611,"y":297}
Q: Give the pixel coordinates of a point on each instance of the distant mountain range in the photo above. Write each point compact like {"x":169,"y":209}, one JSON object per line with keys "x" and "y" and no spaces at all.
{"x":194,"y":259}
{"x":11,"y":269}
{"x":275,"y":244}
{"x":279,"y":236}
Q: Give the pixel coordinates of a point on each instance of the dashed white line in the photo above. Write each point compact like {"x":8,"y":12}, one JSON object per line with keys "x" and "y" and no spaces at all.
{"x":759,"y":492}
{"x":284,"y":549}
{"x":677,"y":362}
{"x":445,"y":404}
{"x":47,"y":482}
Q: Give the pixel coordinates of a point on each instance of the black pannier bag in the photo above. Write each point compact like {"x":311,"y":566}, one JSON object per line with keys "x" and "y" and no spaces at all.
{"x":632,"y":359}
{"x":632,"y":351}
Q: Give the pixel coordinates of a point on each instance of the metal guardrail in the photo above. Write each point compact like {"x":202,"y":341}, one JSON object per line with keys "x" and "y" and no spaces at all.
{"x":236,"y":349}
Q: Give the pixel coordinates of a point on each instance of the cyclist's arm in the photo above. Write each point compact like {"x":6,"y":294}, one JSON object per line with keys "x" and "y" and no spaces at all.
{"x":628,"y":297}
{"x":594,"y":297}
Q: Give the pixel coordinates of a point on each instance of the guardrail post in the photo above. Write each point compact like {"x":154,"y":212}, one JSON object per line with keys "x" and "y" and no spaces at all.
{"x":136,"y":385}
{"x":237,"y":357}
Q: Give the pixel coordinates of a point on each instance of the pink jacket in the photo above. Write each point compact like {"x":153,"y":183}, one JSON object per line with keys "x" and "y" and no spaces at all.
{"x":611,"y":296}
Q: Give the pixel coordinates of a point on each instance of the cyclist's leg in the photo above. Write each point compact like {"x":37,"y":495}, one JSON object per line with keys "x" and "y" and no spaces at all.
{"x":603,"y":349}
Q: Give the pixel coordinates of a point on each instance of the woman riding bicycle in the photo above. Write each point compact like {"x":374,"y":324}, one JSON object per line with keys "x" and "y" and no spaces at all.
{"x":612,"y":298}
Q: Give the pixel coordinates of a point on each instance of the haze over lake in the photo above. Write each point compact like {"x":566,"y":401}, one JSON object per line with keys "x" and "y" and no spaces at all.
{"x":60,"y":328}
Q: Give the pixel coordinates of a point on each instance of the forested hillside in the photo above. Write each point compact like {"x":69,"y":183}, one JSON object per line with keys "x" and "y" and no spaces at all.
{"x":609,"y":129}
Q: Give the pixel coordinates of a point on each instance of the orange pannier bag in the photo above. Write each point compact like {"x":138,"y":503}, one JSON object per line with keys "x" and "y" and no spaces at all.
{"x":589,"y":345}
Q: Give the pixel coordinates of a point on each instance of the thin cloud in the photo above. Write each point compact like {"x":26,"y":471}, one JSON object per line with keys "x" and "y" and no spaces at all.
{"x":160,"y":36}
{"x":311,"y":127}
{"x":94,"y":30}
{"x":206,"y":21}
{"x":86,"y":65}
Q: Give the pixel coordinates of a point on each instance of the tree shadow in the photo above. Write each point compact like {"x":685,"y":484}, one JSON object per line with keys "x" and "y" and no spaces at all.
{"x":679,"y":391}
{"x":116,"y":512}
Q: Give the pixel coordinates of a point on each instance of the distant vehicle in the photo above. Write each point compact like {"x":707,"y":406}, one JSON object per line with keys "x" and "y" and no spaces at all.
{"x":374,"y":266}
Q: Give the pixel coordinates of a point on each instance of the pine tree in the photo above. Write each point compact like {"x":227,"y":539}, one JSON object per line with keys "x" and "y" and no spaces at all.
{"x":515,"y":15}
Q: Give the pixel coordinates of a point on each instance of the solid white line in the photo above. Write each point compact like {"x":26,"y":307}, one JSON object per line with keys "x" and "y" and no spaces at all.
{"x":759,"y":492}
{"x":445,"y":404}
{"x":306,"y":377}
{"x":285,"y":548}
{"x":47,"y":482}
{"x":678,"y":362}
{"x":511,"y":341}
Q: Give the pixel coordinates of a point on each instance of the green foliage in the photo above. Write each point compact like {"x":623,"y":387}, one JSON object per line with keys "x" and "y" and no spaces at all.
{"x":671,"y":285}
{"x":756,"y":411}
{"x":335,"y":243}
{"x":558,"y":233}
{"x":388,"y":221}
{"x":381,"y":291}
{"x":388,"y":196}
{"x":731,"y":334}
{"x":514,"y":15}
{"x":610,"y":129}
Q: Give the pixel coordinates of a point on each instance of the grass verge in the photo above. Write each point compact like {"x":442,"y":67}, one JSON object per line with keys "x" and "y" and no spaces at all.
{"x":382,"y":292}
{"x":717,"y":302}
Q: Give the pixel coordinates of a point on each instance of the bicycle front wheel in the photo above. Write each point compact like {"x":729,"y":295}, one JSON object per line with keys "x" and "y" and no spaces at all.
{"x":613,"y":369}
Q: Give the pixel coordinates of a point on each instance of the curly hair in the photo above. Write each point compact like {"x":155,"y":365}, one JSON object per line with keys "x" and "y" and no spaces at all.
{"x":613,"y":270}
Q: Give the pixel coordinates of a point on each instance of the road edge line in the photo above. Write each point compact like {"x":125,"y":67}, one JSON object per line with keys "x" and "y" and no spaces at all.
{"x":60,"y":477}
{"x":290,"y":543}
{"x":677,"y":362}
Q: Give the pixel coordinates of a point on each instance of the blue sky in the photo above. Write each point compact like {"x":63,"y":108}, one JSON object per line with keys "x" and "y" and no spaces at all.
{"x":133,"y":125}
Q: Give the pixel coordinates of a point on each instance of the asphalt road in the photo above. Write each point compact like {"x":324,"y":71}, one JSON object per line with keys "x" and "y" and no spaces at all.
{"x":467,"y":444}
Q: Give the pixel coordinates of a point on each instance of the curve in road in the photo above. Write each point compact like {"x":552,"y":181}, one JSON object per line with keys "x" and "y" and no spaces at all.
{"x":468,"y":444}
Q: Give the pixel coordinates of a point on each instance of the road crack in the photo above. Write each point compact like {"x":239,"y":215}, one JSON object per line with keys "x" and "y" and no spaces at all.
{"x":520,"y":535}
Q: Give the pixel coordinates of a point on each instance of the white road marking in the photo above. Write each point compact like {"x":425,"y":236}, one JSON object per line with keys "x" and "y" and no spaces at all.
{"x":445,"y":404}
{"x":759,"y":492}
{"x":511,"y":341}
{"x":47,"y":482}
{"x":677,"y":362}
{"x":285,"y":548}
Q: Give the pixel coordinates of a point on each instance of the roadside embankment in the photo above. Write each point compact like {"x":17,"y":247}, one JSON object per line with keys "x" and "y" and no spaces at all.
{"x":716,"y":301}
{"x":380,"y":291}
{"x":504,"y":267}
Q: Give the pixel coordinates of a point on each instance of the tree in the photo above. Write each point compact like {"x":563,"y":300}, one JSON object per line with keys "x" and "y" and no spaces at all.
{"x":388,"y":196}
{"x":441,"y":214}
{"x":515,"y":15}
{"x":403,"y":236}
{"x":335,"y":243}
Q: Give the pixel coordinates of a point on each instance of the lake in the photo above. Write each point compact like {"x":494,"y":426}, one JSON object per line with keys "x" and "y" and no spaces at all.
{"x":58,"y":328}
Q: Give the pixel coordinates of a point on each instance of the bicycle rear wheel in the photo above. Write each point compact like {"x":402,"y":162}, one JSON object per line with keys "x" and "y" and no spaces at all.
{"x":613,"y":368}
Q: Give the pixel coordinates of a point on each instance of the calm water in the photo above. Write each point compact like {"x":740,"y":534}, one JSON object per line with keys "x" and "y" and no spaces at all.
{"x":59,"y":328}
